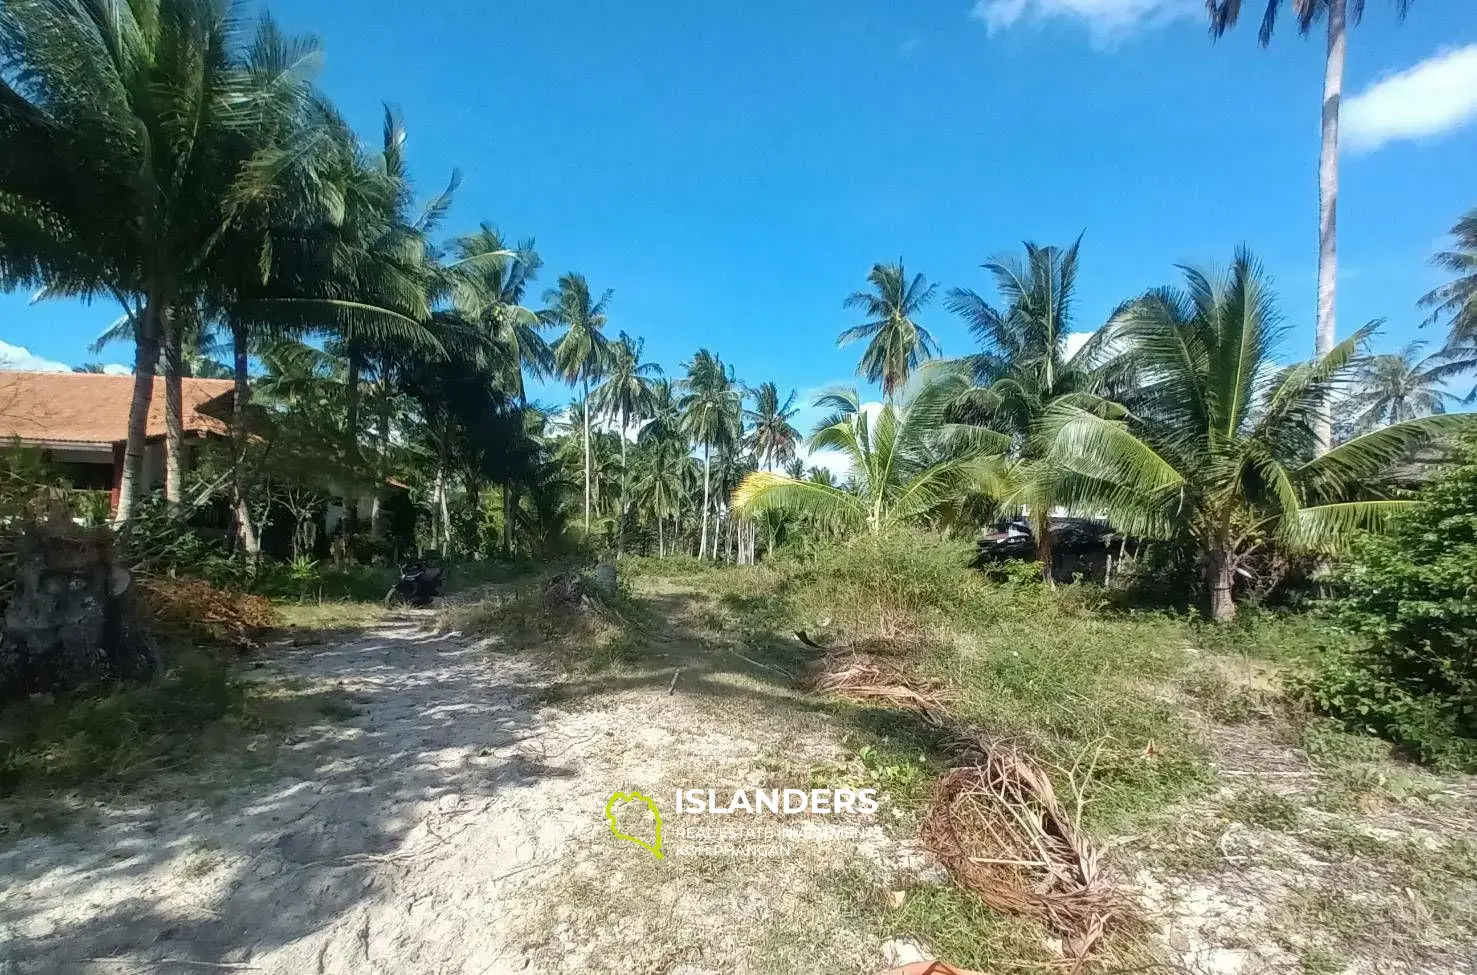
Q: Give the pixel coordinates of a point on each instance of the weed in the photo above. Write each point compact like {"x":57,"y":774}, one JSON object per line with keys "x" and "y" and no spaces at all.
{"x":117,"y":738}
{"x":1266,"y":810}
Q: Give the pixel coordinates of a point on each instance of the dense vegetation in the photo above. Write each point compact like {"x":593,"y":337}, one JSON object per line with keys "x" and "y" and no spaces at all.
{"x":161,"y":156}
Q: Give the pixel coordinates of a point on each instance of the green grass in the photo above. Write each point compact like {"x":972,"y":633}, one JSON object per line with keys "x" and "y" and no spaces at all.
{"x":117,"y":739}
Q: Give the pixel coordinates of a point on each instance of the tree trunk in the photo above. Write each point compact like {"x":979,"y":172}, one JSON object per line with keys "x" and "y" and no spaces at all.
{"x":585,"y":408}
{"x":174,"y":415}
{"x":702,"y":544}
{"x":661,"y":544}
{"x":1045,"y":553}
{"x":444,"y":510}
{"x":145,"y":360}
{"x":510,"y":505}
{"x":382,"y":455}
{"x":351,"y":433}
{"x":1220,"y":579}
{"x":620,"y":527}
{"x":245,"y":530}
{"x":1328,"y":197}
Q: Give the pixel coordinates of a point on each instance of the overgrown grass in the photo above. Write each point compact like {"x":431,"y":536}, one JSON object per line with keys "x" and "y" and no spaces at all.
{"x":115,"y":739}
{"x":1082,"y":688}
{"x":598,"y":634}
{"x":1096,"y":692}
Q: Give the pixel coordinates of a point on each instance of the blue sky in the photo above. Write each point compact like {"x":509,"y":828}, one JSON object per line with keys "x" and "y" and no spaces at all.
{"x":732,"y":171}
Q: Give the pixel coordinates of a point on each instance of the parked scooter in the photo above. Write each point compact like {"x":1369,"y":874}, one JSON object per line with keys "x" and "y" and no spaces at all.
{"x":419,"y":584}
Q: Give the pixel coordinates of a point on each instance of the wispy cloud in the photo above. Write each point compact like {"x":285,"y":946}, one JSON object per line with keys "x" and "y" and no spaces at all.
{"x":1105,"y":20}
{"x":18,"y":357}
{"x":910,"y":45}
{"x":1435,"y":96}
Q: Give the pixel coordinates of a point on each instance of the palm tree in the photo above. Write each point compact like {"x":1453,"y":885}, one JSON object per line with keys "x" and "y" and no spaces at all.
{"x":1398,"y":387}
{"x":664,"y":420}
{"x":772,"y":437}
{"x":710,"y":401}
{"x":89,"y":367}
{"x":488,"y":283}
{"x":102,"y":190}
{"x":1337,"y":14}
{"x":907,"y":460}
{"x":896,"y":343}
{"x":1456,"y":301}
{"x":580,"y":353}
{"x":660,"y":485}
{"x":626,"y":394}
{"x":1023,"y":368}
{"x":1217,"y":446}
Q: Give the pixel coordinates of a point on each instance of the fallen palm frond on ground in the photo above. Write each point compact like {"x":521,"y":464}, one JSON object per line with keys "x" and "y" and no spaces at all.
{"x":995,"y":822}
{"x":1000,"y":830}
{"x":861,"y":678}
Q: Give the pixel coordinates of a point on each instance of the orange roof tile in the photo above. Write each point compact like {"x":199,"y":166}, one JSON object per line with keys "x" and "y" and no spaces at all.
{"x":89,"y":408}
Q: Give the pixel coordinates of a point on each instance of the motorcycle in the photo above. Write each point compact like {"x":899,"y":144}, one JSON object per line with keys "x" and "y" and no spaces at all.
{"x":419,"y":584}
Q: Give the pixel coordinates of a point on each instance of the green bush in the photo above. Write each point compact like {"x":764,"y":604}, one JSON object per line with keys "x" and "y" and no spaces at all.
{"x":895,"y":583}
{"x":1411,"y":597}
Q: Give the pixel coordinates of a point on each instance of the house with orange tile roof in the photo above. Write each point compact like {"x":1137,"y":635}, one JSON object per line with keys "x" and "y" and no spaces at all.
{"x":80,"y":422}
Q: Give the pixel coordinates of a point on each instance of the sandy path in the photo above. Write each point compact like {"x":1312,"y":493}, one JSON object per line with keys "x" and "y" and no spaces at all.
{"x":396,"y":841}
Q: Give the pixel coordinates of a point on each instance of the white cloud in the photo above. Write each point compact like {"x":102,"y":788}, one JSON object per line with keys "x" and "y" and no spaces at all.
{"x":114,"y":369}
{"x":1435,"y":96}
{"x":18,"y":357}
{"x":1076,"y":340}
{"x":1105,"y":20}
{"x":910,"y":45}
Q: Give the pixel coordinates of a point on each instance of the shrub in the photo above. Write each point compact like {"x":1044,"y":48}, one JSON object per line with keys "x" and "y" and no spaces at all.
{"x":895,"y":583}
{"x":1411,"y":597}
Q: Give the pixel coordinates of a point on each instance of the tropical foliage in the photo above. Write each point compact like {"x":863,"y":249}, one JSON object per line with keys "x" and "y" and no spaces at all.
{"x":908,"y":461}
{"x":896,"y":343}
{"x":1215,"y":443}
{"x":1407,"y":594}
{"x":162,"y":157}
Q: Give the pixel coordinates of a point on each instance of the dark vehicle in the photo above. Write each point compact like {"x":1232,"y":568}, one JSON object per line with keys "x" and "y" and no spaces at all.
{"x":419,"y":584}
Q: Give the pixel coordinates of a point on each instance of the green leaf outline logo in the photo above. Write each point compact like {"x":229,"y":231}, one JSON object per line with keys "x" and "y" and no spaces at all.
{"x":615,"y":797}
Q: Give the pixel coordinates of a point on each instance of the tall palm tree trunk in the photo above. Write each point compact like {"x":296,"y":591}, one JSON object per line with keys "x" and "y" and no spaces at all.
{"x":174,"y":414}
{"x":510,"y":493}
{"x":132,"y":483}
{"x":1328,"y":196}
{"x":351,"y":435}
{"x":381,"y":462}
{"x":246,"y":531}
{"x":620,"y":525}
{"x":586,"y":411}
{"x":702,"y":545}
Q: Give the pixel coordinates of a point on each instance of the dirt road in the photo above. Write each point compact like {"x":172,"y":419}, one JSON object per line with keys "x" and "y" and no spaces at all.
{"x":450,"y":826}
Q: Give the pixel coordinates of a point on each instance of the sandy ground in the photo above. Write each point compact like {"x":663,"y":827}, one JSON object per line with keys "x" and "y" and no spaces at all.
{"x":437,"y":831}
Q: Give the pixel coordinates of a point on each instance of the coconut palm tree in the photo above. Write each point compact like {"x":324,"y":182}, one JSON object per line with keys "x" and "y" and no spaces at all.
{"x":907,"y":459}
{"x":488,"y":283}
{"x":1400,"y":386}
{"x":772,"y":436}
{"x":1216,"y":445}
{"x":1023,"y":368}
{"x":710,"y":403}
{"x":896,"y":343}
{"x":1456,"y":301}
{"x":580,"y":354}
{"x":103,"y":192}
{"x":660,"y":486}
{"x":626,"y":394}
{"x":1337,"y":15}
